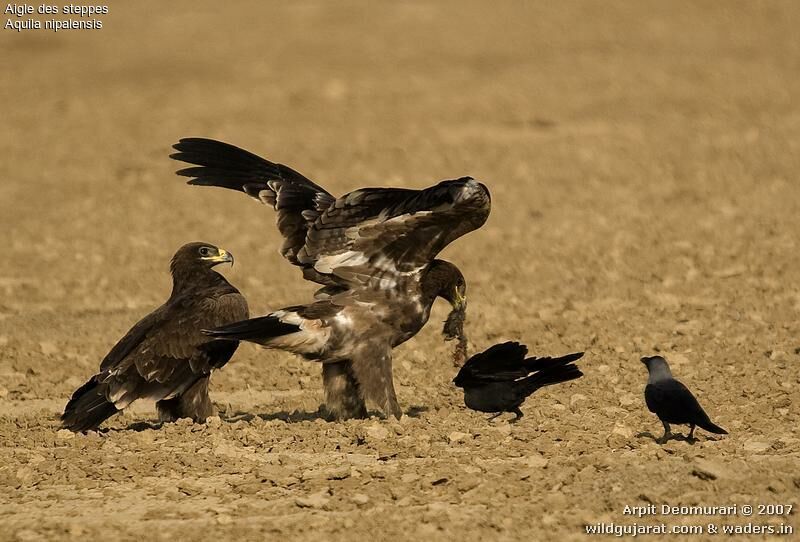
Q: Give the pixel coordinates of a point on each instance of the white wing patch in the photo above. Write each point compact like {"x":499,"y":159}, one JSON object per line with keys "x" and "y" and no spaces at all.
{"x":399,"y":218}
{"x":351,"y":258}
{"x":344,"y":319}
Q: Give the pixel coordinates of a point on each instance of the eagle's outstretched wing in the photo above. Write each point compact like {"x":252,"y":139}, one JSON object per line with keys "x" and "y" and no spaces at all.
{"x":372,"y":234}
{"x":297,"y":200}
{"x":378,"y":234}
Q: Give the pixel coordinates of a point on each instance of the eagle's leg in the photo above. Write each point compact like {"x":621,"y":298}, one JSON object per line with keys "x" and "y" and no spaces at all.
{"x":342,"y":395}
{"x":391,"y":407}
{"x":168,"y":410}
{"x":193,"y":403}
{"x":378,"y":386}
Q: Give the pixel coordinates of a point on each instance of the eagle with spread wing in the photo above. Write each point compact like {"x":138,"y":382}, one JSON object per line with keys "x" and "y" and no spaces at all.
{"x":372,"y":251}
{"x":166,"y":357}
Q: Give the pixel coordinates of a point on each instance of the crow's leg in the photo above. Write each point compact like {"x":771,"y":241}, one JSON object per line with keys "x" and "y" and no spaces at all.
{"x":667,"y":433}
{"x":518,"y":413}
{"x":493,"y":416}
{"x":691,"y":433}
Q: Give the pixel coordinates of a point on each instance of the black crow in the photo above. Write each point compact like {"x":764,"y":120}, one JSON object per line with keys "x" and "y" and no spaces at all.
{"x":372,"y":251}
{"x":501,"y":378}
{"x":166,"y":356}
{"x":672,"y":402}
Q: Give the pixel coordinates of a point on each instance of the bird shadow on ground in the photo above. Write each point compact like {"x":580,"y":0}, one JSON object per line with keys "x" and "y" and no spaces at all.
{"x":305,"y":416}
{"x":289,"y":417}
{"x":138,"y":427}
{"x":673,"y":436}
{"x":285,"y":416}
{"x":416,"y":411}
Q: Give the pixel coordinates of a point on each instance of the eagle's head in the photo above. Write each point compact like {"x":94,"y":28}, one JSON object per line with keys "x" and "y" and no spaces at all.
{"x":445,"y":280}
{"x":191,"y":266}
{"x":199,"y":255}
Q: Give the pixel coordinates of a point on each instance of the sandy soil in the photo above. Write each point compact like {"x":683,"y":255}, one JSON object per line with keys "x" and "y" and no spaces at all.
{"x":643,"y":160}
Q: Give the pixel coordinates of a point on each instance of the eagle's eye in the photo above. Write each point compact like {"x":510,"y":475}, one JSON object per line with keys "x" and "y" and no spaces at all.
{"x":205,"y":251}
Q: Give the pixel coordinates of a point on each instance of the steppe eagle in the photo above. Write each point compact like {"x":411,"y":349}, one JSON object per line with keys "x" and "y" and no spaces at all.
{"x":166,"y":356}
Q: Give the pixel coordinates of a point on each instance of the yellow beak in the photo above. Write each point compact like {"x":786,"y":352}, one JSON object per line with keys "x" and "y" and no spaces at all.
{"x":223,"y":257}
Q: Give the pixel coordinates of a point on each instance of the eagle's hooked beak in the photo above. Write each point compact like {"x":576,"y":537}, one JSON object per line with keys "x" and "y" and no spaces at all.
{"x":223,"y":256}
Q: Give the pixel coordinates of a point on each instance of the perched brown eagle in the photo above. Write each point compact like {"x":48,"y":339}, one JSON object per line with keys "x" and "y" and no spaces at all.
{"x":372,"y":251}
{"x":166,"y":356}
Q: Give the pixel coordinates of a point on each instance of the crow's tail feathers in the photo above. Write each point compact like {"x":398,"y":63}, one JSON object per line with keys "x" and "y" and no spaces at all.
{"x":541,"y":364}
{"x":713,"y":428}
{"x":549,"y":377}
{"x":551,"y":371}
{"x":88,"y":407}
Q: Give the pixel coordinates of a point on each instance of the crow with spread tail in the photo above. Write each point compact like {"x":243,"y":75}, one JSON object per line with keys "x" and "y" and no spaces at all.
{"x":672,"y":402}
{"x":166,"y":357}
{"x":372,"y":251}
{"x":499,"y":379}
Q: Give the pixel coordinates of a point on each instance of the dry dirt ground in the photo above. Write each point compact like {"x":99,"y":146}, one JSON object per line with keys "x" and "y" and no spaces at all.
{"x":643,"y":160}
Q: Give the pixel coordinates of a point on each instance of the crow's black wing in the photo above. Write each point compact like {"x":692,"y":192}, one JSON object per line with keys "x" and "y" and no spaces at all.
{"x":501,"y":362}
{"x":672,"y":402}
{"x":507,"y":362}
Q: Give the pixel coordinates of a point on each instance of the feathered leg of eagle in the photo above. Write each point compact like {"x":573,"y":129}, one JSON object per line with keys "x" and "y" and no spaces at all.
{"x":343,"y":398}
{"x":194,"y":403}
{"x":372,"y":368}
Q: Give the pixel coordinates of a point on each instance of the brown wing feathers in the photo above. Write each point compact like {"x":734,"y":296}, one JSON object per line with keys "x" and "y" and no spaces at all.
{"x":164,"y":354}
{"x":370,"y":245}
{"x":297,"y":199}
{"x":368,"y":229}
{"x":406,"y":226}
